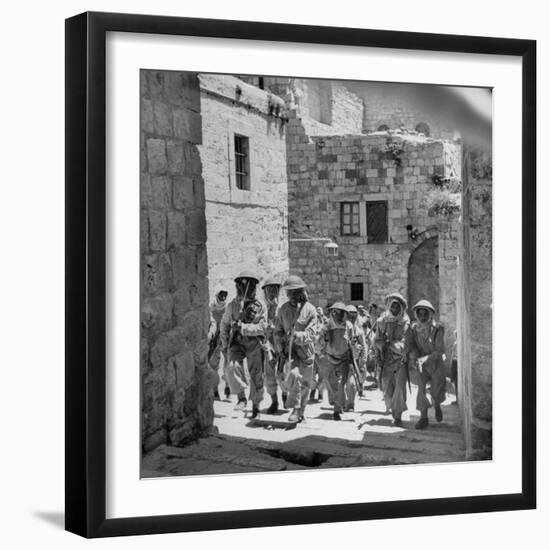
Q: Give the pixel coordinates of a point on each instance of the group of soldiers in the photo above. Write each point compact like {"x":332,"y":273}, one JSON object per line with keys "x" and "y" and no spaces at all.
{"x":293,"y":350}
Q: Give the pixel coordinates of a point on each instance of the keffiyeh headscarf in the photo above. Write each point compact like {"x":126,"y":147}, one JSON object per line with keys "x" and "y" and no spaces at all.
{"x":396,"y":298}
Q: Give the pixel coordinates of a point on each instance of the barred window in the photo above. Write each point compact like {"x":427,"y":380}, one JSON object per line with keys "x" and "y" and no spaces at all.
{"x":242,"y":162}
{"x":349,"y":212}
{"x":377,"y":221}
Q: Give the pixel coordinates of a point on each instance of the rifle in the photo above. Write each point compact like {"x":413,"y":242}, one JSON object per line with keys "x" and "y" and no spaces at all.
{"x":355,"y":370}
{"x":233,"y":331}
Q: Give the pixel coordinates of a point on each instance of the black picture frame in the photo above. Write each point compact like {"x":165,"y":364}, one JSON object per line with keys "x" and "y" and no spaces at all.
{"x":86,"y":275}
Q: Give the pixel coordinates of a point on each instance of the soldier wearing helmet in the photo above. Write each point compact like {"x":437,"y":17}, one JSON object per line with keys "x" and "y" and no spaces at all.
{"x":271,"y":289}
{"x":391,"y":330}
{"x":242,"y":332}
{"x":296,"y":330}
{"x":424,"y":349}
{"x":334,"y":339}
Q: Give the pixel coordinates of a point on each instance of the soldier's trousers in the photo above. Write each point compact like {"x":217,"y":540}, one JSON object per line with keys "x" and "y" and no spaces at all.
{"x":238,"y":377}
{"x":394,"y":386}
{"x":342,"y":384}
{"x":298,"y":385}
{"x":272,"y":379}
{"x":433,"y":371}
{"x":325,"y":369}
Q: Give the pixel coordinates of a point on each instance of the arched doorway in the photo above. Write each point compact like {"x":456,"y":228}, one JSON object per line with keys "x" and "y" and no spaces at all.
{"x":423,"y":274}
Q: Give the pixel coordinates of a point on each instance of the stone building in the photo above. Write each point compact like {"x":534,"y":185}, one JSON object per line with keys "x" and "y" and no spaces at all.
{"x":369,"y":194}
{"x":243,"y":155}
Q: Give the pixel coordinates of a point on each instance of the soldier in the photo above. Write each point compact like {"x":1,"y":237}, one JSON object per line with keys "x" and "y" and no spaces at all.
{"x":336,"y":335}
{"x":363,"y":318}
{"x":424,"y":349}
{"x":217,"y":307}
{"x":271,"y":289}
{"x":391,"y":330}
{"x":358,"y":344}
{"x":242,"y":333}
{"x":295,"y":333}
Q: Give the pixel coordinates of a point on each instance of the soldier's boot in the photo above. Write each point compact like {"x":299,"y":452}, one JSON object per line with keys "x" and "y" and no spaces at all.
{"x":241,"y":403}
{"x":227,"y":392}
{"x":255,"y":411}
{"x":312,"y":395}
{"x":423,"y":422}
{"x":216,"y":395}
{"x":285,"y":395}
{"x":438,"y":413}
{"x":274,"y":407}
{"x":397,"y":421}
{"x":336,"y":416}
{"x":296,"y":416}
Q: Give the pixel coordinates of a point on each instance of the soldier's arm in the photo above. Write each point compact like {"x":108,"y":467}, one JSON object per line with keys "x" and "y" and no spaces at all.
{"x":310,"y":332}
{"x":380,"y":337}
{"x":439,"y":342}
{"x":259,"y":327}
{"x":279,"y":332}
{"x":225,"y":326}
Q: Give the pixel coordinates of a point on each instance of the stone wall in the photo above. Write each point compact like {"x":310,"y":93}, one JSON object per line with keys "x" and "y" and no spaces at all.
{"x":448,"y":233}
{"x":325,"y":171}
{"x":176,"y":383}
{"x":246,"y":229}
{"x":475,"y":305}
{"x":396,"y":110}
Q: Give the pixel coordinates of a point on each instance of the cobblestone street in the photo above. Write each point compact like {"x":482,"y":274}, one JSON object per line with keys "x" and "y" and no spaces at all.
{"x":365,"y":437}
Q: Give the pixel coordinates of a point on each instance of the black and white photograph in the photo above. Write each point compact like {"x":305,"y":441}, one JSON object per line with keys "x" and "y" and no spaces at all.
{"x":316,"y":273}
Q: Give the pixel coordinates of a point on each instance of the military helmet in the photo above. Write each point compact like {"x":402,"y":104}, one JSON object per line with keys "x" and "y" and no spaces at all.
{"x":351,"y":309}
{"x":271,"y":281}
{"x":340,"y":306}
{"x":294,"y":282}
{"x":246,"y":275}
{"x":396,"y":296}
{"x":424,"y":304}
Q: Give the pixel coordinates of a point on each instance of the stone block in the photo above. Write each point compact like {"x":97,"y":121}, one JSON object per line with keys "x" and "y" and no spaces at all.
{"x":196,"y":226}
{"x":156,"y":273}
{"x":157,"y":231}
{"x":187,"y":125}
{"x":157,"y":314}
{"x":145,"y":190}
{"x":184,"y":365}
{"x":182,"y":89}
{"x":176,"y":229}
{"x":175,"y":163}
{"x":183,"y":265}
{"x":161,"y":192}
{"x":157,"y":162}
{"x":162,"y":119}
{"x":146,"y":118}
{"x":166,"y":346}
{"x":193,"y":164}
{"x":183,"y":188}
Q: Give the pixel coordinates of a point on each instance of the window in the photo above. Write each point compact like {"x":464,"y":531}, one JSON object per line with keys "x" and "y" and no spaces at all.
{"x":356,"y":292}
{"x":377,"y":221}
{"x":349,"y":212}
{"x":242,"y":162}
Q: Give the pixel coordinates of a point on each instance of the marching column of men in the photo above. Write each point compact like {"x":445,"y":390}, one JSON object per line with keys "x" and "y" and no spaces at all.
{"x":294,"y":349}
